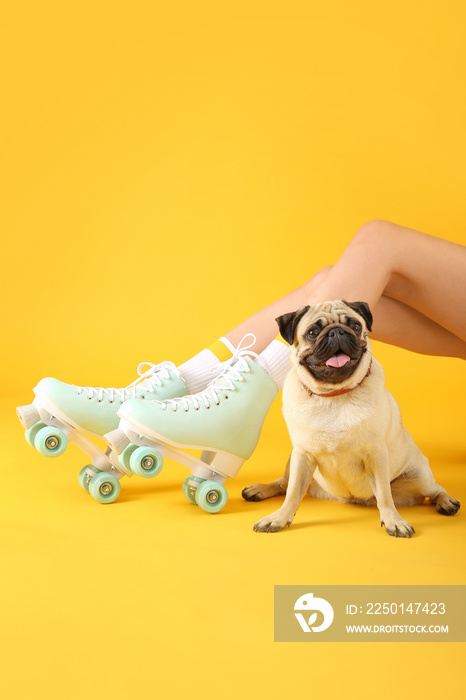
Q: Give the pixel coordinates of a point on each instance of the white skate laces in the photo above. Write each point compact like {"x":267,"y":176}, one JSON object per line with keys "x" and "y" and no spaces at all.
{"x":233,"y":371}
{"x":147,"y":381}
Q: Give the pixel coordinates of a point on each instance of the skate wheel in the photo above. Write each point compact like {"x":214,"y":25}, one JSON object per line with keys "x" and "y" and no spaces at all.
{"x":124,"y":457}
{"x":189,"y":491}
{"x":104,"y":487}
{"x":211,"y":496}
{"x":84,"y":478}
{"x":31,"y":433}
{"x":50,"y":442}
{"x":146,"y":462}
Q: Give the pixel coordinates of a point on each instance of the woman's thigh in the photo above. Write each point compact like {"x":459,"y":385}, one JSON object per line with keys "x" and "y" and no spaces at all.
{"x":427,"y":273}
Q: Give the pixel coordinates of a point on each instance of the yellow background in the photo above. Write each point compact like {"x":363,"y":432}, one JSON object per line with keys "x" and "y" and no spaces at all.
{"x":166,"y":170}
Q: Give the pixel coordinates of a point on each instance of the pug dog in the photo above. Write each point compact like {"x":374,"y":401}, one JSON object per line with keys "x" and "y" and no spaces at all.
{"x":349,"y":443}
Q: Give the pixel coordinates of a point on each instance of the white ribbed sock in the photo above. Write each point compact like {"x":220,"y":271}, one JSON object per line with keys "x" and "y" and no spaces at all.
{"x":197,"y":371}
{"x":276,"y":358}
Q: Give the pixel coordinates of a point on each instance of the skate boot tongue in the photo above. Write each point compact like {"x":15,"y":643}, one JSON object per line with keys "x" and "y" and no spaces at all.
{"x":338,"y":360}
{"x":237,"y":362}
{"x":147,"y":378}
{"x":223,"y":381}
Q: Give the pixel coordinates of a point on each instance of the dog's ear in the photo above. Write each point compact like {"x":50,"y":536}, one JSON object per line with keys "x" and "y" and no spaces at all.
{"x":363,"y":309}
{"x":288,"y":322}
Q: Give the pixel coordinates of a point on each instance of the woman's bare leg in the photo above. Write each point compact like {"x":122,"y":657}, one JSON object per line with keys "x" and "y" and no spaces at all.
{"x":414,"y":283}
{"x":397,"y":324}
{"x":423,"y":272}
{"x":263,"y":323}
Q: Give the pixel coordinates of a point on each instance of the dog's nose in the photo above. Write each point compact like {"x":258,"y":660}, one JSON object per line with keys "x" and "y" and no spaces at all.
{"x":336,"y":331}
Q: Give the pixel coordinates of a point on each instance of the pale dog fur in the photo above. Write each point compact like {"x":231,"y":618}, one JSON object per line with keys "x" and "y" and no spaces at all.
{"x":348,"y":447}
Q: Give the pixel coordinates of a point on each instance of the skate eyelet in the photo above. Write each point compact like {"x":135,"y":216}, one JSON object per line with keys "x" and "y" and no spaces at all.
{"x":226,"y":396}
{"x":112,"y":401}
{"x":208,"y":407}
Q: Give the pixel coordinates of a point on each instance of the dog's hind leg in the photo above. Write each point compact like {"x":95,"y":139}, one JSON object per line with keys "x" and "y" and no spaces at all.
{"x":317,"y":491}
{"x":406,"y":489}
{"x":259,"y":492}
{"x":419,"y":483}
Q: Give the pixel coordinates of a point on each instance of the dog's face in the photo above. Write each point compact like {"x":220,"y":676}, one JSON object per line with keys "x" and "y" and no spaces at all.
{"x":329,"y":342}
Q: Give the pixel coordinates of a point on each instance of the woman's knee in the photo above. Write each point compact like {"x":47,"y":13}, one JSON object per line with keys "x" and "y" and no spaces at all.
{"x":374,"y":231}
{"x":377,"y":241}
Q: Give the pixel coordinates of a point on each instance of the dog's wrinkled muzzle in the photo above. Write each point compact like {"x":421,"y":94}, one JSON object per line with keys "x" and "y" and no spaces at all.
{"x":335,"y":341}
{"x":335,"y":355}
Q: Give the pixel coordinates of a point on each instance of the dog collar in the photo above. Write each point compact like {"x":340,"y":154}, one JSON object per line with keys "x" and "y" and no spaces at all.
{"x":339,"y":392}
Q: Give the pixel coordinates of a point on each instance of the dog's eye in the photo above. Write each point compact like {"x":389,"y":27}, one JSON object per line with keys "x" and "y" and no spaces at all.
{"x":354,"y":325}
{"x":312,"y":333}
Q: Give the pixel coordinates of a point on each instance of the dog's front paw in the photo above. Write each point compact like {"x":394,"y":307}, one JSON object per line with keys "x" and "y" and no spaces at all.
{"x":447,"y":505}
{"x":398,"y":527}
{"x":272,"y":523}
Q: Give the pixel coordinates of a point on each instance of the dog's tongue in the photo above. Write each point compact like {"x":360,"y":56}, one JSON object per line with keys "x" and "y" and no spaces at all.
{"x":338,"y":360}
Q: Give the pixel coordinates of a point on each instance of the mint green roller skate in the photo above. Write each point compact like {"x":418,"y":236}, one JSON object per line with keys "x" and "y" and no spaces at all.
{"x":61,"y":412}
{"x":224,"y":421}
